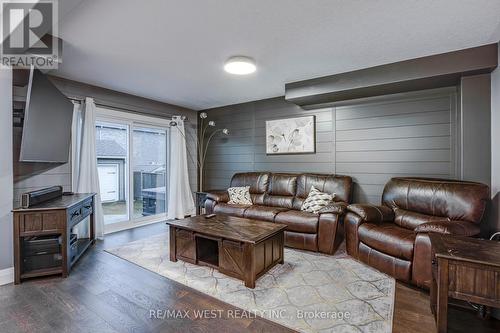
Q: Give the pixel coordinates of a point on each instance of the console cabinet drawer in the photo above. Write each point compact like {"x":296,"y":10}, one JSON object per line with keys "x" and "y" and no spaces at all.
{"x":87,"y":208}
{"x":75,"y":215}
{"x":30,"y":223}
{"x":41,"y":222}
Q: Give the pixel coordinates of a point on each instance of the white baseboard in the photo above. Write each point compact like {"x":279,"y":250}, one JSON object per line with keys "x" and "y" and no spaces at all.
{"x":6,"y":276}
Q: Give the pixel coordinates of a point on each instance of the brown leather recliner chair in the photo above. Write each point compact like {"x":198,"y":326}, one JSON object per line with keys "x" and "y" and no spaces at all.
{"x":277,"y":197}
{"x":394,"y":237}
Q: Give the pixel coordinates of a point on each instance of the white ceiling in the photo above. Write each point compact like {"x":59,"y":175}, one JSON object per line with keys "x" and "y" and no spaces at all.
{"x":173,"y":51}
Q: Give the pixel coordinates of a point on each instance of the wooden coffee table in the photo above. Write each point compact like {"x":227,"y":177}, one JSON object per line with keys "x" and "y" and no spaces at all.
{"x":238,"y":247}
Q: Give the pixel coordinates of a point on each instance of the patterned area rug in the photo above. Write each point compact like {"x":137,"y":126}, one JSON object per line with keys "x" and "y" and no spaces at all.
{"x":309,"y":293}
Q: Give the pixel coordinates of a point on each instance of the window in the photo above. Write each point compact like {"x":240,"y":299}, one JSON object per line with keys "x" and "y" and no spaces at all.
{"x":132,"y":166}
{"x":112,"y":163}
{"x":150,"y":171}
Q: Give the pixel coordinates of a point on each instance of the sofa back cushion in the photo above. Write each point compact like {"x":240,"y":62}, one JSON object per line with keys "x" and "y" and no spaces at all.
{"x":258,"y":182}
{"x":340,"y":185}
{"x":420,"y":200}
{"x":281,"y":190}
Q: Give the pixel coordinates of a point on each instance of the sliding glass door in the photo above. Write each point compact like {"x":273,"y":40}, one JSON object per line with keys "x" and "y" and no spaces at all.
{"x":149,"y":171}
{"x":112,"y":165}
{"x":132,"y":155}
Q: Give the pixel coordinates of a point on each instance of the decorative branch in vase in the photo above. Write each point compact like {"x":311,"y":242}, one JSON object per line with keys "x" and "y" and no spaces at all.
{"x":207,"y":133}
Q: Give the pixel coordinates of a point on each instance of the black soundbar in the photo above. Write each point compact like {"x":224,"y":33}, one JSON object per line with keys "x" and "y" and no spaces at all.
{"x":34,"y":198}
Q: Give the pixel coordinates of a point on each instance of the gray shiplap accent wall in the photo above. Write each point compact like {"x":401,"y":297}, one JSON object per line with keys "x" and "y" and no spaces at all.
{"x":406,"y":135}
{"x":411,"y":134}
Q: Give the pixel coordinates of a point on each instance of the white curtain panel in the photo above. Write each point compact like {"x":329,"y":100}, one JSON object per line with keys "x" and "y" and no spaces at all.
{"x":180,"y":198}
{"x":76,"y":143}
{"x":87,"y":177}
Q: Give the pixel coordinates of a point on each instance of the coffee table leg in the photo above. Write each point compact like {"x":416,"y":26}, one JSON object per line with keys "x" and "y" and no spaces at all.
{"x":282,"y":245}
{"x":249,"y":253}
{"x":173,"y":249}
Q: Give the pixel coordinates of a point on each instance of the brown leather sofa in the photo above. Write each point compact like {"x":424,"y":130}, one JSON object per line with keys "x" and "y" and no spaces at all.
{"x":277,"y":197}
{"x":394,"y":237}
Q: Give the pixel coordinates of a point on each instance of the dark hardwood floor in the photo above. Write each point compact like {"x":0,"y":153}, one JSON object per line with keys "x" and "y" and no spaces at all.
{"x":107,"y":294}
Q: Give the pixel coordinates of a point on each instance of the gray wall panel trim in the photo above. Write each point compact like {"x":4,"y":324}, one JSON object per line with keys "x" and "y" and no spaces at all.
{"x":382,"y":179}
{"x":234,"y":142}
{"x":43,"y":180}
{"x":439,"y":155}
{"x":320,"y":137}
{"x":321,"y":115}
{"x":358,"y":196}
{"x":289,"y":110}
{"x":328,"y":157}
{"x":320,"y":128}
{"x":241,"y":158}
{"x":426,"y":143}
{"x":413,"y":119}
{"x":321,"y":147}
{"x":419,"y":131}
{"x":397,"y":108}
{"x":220,"y":174}
{"x":408,"y":168}
{"x":295,"y":167}
{"x":229,"y":150}
{"x":223,"y":166}
{"x":372,"y":190}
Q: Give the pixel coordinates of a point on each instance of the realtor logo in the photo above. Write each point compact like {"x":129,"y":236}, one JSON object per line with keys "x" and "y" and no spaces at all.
{"x":28,"y":32}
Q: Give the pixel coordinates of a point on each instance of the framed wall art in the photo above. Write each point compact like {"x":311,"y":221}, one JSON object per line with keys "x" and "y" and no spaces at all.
{"x":291,"y":136}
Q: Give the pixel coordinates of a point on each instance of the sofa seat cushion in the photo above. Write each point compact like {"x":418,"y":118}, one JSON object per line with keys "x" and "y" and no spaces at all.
{"x":264,"y":213}
{"x":388,"y":238}
{"x":230,"y":209}
{"x":396,"y":267}
{"x":299,"y":221}
{"x":299,"y":240}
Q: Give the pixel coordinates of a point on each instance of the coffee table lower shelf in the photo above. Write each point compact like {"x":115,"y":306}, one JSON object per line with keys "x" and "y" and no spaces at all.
{"x":244,"y":260}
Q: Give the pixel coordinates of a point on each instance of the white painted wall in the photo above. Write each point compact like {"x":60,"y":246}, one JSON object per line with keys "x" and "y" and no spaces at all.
{"x":6,"y":175}
{"x":495,"y":150}
{"x":495,"y":144}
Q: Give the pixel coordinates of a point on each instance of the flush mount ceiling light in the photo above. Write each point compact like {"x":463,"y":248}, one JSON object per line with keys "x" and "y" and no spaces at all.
{"x":240,"y":65}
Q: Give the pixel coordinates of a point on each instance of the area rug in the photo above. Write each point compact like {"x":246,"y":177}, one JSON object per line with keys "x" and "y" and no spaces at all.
{"x":309,"y":293}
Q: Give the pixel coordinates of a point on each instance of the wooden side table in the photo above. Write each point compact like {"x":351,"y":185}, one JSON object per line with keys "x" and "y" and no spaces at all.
{"x":54,"y":217}
{"x":463,"y":268}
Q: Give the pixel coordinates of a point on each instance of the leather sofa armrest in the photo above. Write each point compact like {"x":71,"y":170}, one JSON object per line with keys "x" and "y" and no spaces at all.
{"x":461,"y":228}
{"x":338,"y":208}
{"x":372,"y":213}
{"x":218,"y":195}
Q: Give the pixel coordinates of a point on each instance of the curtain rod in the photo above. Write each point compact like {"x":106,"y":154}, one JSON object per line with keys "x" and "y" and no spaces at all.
{"x":80,"y":100}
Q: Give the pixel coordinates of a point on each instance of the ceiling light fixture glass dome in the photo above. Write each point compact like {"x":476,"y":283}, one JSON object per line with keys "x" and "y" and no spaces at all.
{"x":240,"y":65}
